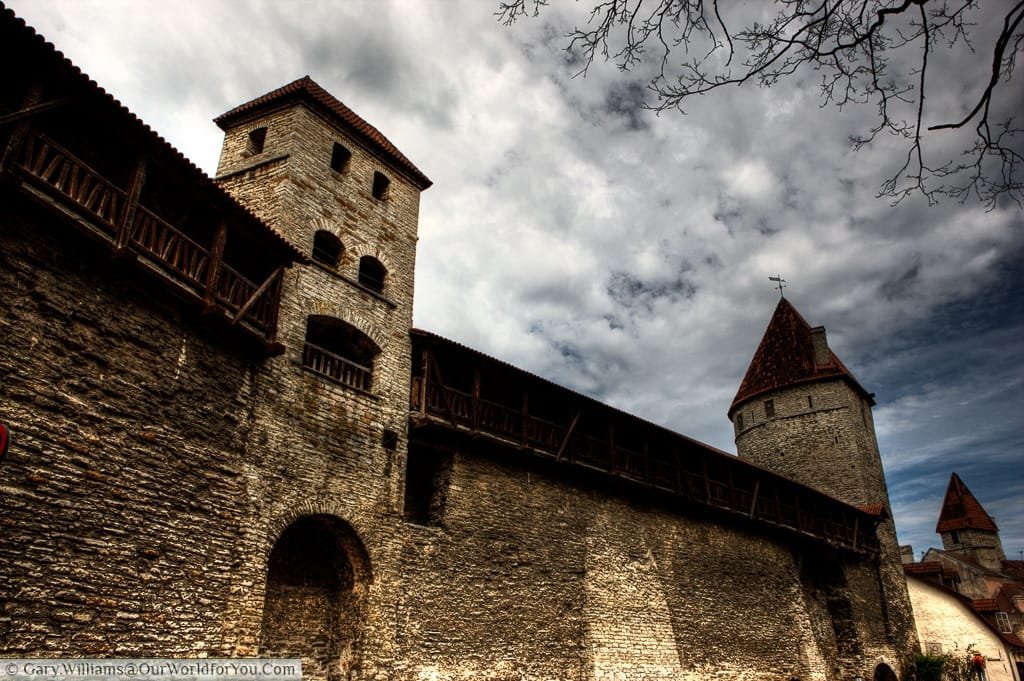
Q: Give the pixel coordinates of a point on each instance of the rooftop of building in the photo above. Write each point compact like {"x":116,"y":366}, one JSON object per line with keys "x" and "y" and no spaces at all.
{"x":785,"y":357}
{"x":308,"y":91}
{"x":961,"y":510}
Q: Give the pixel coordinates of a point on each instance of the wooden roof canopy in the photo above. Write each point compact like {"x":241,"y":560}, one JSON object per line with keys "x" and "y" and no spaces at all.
{"x":458,"y":393}
{"x":70,"y":145}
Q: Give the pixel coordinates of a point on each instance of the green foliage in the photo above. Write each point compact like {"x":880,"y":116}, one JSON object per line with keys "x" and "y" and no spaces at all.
{"x":948,"y":667}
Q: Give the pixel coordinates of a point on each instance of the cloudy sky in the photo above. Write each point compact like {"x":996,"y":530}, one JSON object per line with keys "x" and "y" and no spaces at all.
{"x":620,"y":253}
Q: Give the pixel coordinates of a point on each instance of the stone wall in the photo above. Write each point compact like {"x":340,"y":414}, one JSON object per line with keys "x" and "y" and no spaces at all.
{"x":164,"y":489}
{"x":534,"y":575}
{"x":123,"y":490}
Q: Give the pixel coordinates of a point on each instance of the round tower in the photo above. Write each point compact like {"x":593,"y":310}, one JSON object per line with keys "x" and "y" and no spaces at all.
{"x":801,"y":413}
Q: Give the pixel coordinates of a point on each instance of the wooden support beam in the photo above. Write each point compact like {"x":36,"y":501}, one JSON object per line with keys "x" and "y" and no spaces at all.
{"x":753,"y":502}
{"x":476,"y":397}
{"x":31,"y":110}
{"x":568,"y":434}
{"x":524,"y":416}
{"x":707,"y":479}
{"x":423,"y":383}
{"x":244,"y":310}
{"x":435,"y":368}
{"x":131,"y":204}
{"x":213,"y":268}
{"x":16,"y":140}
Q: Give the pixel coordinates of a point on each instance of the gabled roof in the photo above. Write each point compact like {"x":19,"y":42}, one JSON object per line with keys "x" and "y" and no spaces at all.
{"x":785,"y":357}
{"x":307,"y":90}
{"x":961,"y":510}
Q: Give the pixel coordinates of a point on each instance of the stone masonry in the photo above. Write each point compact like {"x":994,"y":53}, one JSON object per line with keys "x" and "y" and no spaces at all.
{"x":170,"y":491}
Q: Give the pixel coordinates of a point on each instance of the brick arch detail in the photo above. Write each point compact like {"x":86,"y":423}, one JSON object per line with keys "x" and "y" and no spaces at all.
{"x":330,"y":309}
{"x":357,"y":552}
{"x":322,"y":224}
{"x":358,"y":250}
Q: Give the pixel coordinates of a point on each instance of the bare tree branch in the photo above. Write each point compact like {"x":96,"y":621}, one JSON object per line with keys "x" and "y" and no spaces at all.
{"x":695,"y":50}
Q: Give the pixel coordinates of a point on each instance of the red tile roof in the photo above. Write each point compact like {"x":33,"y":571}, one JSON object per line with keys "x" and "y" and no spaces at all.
{"x":786,"y":357}
{"x":1014,"y":568}
{"x":984,"y":604}
{"x":933,"y":567}
{"x":876,"y":510}
{"x":1012,"y":639}
{"x":961,"y":510}
{"x":308,"y":90}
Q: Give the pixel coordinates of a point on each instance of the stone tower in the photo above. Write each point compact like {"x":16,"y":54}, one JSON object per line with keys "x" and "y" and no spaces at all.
{"x":337,"y":188}
{"x":966,"y":529}
{"x":330,"y":417}
{"x":800,"y":412}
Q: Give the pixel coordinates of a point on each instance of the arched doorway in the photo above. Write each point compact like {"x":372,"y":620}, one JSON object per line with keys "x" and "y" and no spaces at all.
{"x":315,"y":598}
{"x":884,"y":672}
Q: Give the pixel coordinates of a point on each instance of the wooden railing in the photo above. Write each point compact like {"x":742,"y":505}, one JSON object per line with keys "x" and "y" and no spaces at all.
{"x":691,"y":472}
{"x":57,"y":168}
{"x":70,"y":181}
{"x":337,"y":368}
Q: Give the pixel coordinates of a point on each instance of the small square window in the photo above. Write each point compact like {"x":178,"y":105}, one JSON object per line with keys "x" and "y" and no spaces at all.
{"x":339,"y":158}
{"x":257,"y":138}
{"x":1003,"y":622}
{"x":739,"y":421}
{"x":769,"y":408}
{"x":380,"y":185}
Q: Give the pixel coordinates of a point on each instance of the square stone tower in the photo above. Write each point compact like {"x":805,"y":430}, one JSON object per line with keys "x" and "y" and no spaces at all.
{"x":329,"y":418}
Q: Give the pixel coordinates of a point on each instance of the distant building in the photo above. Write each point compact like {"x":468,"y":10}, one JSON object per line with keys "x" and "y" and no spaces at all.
{"x":227,"y":440}
{"x":967,"y":593}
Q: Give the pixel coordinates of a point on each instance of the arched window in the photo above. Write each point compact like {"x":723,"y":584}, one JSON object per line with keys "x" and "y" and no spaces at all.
{"x":312,"y":608}
{"x":327,"y":248}
{"x":372,"y":273}
{"x":339,"y":158}
{"x":380,"y":185}
{"x":340,"y":352}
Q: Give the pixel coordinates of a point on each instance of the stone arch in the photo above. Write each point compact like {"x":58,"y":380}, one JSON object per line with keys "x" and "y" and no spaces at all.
{"x":884,"y":672}
{"x":326,"y":308}
{"x":358,"y":250}
{"x":325,"y":225}
{"x":318,"y":572}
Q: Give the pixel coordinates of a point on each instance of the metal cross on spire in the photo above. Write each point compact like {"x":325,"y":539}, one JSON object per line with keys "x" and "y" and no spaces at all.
{"x":781,"y":284}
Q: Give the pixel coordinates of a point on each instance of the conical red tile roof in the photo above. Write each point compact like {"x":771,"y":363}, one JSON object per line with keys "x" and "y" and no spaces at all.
{"x":785,"y":357}
{"x":961,"y":510}
{"x":306,"y":88}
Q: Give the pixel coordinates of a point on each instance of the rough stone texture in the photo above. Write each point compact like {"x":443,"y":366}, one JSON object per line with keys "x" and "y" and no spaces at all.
{"x":822,"y":434}
{"x":164,"y":490}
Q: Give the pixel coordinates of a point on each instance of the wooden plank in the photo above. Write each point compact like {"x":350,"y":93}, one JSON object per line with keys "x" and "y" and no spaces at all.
{"x":244,"y":310}
{"x":568,"y":434}
{"x":131,"y":204}
{"x":29,"y":111}
{"x":216,"y":259}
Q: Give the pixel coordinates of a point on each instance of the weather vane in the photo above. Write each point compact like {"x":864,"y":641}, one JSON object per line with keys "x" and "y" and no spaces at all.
{"x":781,"y":284}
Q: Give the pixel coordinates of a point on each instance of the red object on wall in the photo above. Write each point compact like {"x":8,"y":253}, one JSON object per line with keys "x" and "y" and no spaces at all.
{"x":5,"y":439}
